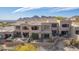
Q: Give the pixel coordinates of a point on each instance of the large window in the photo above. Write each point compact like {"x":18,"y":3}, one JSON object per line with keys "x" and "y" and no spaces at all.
{"x":64,"y":33}
{"x":7,"y":36}
{"x":54,"y":25}
{"x":45,"y":27}
{"x":45,"y":36}
{"x":35,"y":27}
{"x":54,"y":32}
{"x":25,"y":34}
{"x":17,"y":27}
{"x":17,"y":34}
{"x":65,"y":25}
{"x":25,"y":28}
{"x":77,"y":32}
{"x":35,"y":36}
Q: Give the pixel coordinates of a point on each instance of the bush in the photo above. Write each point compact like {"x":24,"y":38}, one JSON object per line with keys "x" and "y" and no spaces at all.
{"x":72,"y":42}
{"x":67,"y":43}
{"x":26,"y":47}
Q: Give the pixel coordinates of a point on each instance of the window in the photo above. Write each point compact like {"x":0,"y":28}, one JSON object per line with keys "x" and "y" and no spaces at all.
{"x":25,"y":28}
{"x":17,"y":34}
{"x":77,"y":32}
{"x":54,"y":25}
{"x":54,"y":32}
{"x":64,"y":33}
{"x":35,"y":27}
{"x":45,"y":27}
{"x":35,"y":36}
{"x":65,"y":25}
{"x":1,"y":36}
{"x":17,"y":27}
{"x":45,"y":36}
{"x":26,"y":34}
{"x":7,"y":36}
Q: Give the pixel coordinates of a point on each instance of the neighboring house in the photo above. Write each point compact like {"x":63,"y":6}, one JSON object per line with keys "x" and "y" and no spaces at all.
{"x":7,"y":32}
{"x":75,"y":29}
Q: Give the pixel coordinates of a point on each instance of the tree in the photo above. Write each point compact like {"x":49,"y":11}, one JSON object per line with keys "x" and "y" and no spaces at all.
{"x":60,"y":17}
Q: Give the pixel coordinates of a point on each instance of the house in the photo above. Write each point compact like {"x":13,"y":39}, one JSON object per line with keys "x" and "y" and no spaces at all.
{"x":75,"y":29}
{"x":43,"y":28}
{"x":7,"y":32}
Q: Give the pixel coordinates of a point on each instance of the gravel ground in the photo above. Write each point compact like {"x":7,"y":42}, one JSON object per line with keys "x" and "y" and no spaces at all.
{"x":45,"y":46}
{"x":70,"y":49}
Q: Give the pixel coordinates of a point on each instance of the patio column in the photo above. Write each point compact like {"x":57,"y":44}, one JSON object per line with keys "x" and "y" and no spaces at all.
{"x":21,"y":32}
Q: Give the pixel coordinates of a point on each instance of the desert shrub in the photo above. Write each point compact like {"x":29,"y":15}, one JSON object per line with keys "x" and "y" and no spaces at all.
{"x":66,"y":42}
{"x":74,"y":43}
{"x":26,"y":47}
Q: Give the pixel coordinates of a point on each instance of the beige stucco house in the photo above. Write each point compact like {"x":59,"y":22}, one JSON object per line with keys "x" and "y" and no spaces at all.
{"x":75,"y":29}
{"x":7,"y":32}
{"x":44,"y":29}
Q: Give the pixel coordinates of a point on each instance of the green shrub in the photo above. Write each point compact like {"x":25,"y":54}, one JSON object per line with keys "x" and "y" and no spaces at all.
{"x":66,"y":43}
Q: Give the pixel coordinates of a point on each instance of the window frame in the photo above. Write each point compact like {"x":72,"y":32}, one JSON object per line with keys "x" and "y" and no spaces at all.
{"x":25,"y":28}
{"x":35,"y":27}
{"x":18,"y":27}
{"x":77,"y":32}
{"x":54,"y":24}
{"x":65,"y":25}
